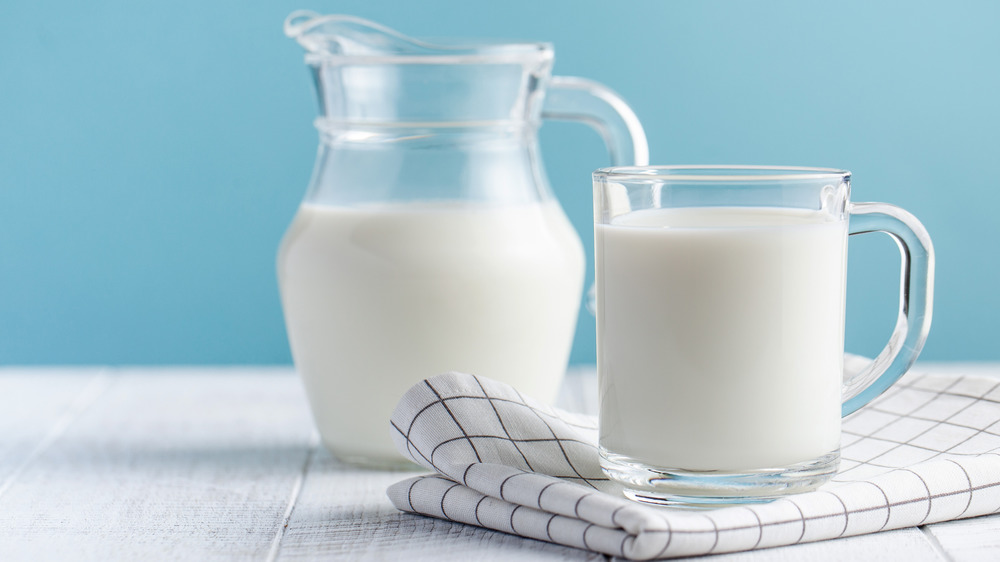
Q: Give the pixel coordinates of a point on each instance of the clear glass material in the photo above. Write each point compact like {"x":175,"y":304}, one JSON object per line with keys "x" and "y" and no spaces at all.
{"x":429,"y":239}
{"x":720,"y":327}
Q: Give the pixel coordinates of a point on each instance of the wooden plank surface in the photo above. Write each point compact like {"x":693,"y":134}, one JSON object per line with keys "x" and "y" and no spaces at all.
{"x":165,"y":465}
{"x":222,"y":464}
{"x":36,"y":406}
{"x":969,"y":540}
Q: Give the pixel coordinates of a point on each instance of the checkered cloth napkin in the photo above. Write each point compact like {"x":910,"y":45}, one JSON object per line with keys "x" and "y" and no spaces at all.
{"x":927,"y":450}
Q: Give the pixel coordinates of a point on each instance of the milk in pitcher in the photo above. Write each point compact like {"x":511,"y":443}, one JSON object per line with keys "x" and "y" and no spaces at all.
{"x":379,"y":297}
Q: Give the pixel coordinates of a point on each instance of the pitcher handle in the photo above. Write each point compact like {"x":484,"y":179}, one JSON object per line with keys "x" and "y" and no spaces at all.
{"x":578,"y":99}
{"x":915,"y":300}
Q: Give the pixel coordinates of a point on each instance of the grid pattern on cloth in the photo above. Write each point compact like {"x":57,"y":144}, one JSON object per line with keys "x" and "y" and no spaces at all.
{"x":928,"y":450}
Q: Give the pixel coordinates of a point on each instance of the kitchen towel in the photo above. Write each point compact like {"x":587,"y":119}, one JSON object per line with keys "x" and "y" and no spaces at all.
{"x":928,"y":450}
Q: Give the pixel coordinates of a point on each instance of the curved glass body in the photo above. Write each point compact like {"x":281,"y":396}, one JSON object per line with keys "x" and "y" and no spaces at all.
{"x":429,"y":239}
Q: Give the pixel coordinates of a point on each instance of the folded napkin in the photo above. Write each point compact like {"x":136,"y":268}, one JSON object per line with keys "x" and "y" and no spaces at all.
{"x":926,"y":451}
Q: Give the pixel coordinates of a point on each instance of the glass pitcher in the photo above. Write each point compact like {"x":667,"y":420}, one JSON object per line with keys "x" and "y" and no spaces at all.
{"x":429,"y":239}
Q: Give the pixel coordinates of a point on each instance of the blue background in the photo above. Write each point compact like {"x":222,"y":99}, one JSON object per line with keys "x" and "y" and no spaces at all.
{"x":152,"y":153}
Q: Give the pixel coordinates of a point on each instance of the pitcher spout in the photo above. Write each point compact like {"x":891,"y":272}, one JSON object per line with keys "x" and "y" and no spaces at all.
{"x":344,"y":35}
{"x":338,"y":34}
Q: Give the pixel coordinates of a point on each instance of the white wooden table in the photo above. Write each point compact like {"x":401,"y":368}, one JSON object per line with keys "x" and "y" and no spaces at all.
{"x":223,"y":464}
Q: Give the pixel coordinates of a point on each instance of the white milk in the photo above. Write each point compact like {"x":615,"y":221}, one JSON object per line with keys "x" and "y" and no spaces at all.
{"x":720,"y":336}
{"x":378,"y":298}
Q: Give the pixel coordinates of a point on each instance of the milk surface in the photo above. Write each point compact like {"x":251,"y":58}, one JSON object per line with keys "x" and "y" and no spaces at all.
{"x":720,"y":336}
{"x":378,"y":298}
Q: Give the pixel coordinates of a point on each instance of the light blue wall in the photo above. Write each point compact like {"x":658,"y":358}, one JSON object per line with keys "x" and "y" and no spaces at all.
{"x":152,"y":153}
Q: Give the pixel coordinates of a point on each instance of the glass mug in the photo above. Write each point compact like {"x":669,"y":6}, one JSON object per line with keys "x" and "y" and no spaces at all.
{"x":720,"y":303}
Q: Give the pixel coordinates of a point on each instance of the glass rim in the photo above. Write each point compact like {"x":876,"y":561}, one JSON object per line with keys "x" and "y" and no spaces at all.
{"x":717,"y":173}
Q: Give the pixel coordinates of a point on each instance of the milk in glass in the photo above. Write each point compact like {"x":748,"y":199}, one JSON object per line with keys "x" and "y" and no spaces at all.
{"x":720,"y":336}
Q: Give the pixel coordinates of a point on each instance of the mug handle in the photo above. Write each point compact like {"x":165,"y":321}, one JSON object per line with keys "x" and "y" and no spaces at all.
{"x":578,"y":99}
{"x":915,"y":300}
